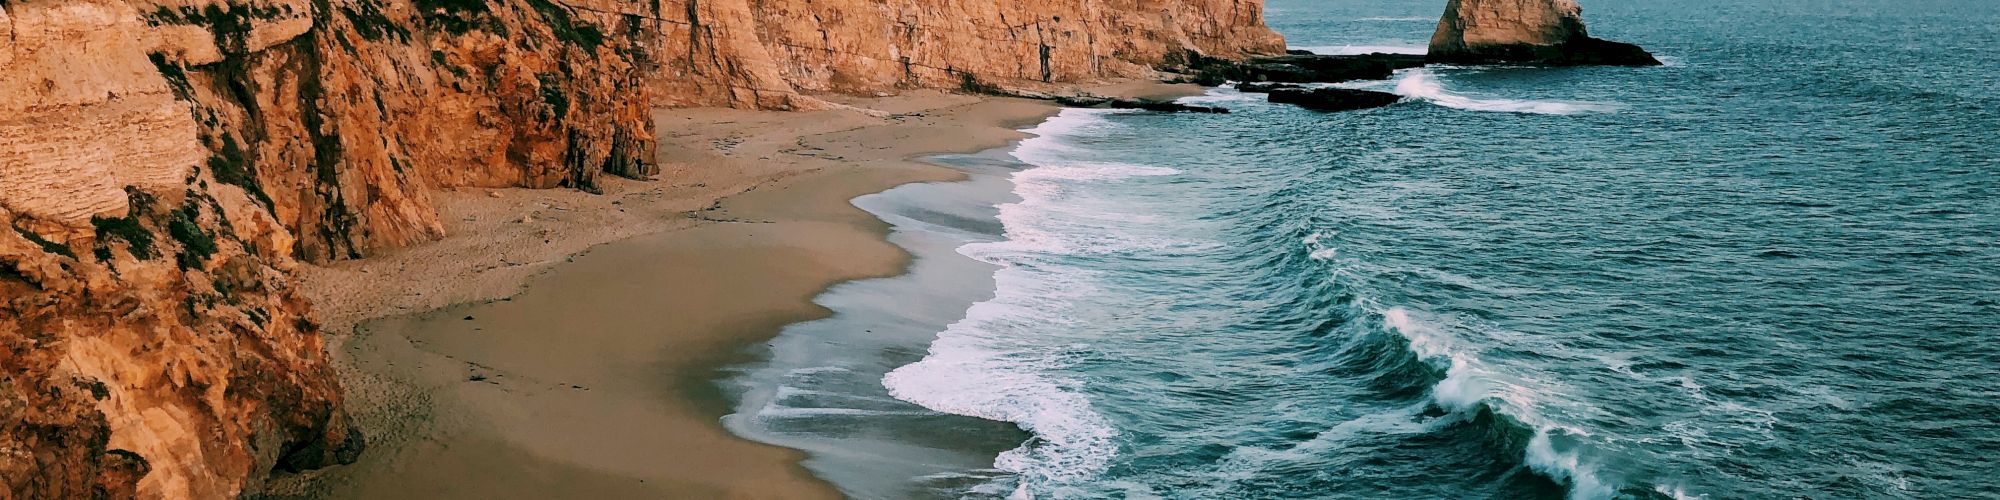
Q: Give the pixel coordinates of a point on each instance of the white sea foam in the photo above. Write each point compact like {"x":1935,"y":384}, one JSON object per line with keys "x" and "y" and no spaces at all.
{"x":1677,"y":492}
{"x":784,"y":412}
{"x":1348,"y":50}
{"x":975,"y":368}
{"x":1220,"y":95}
{"x":997,"y":363}
{"x":1565,"y":466}
{"x":1465,"y":385}
{"x":1469,"y":383}
{"x":1422,"y":85}
{"x":814,"y":370}
{"x":786,"y":392}
{"x":1048,"y":142}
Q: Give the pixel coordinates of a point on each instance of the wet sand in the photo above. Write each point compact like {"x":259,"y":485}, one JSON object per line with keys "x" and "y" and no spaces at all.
{"x":818,"y":386}
{"x":563,"y":345}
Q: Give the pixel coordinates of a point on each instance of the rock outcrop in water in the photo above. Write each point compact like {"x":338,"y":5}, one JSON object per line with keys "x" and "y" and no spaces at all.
{"x":1263,"y":87}
{"x":1525,"y":31}
{"x":1302,"y":68}
{"x":1333,"y":99}
{"x":1089,"y":101}
{"x":1280,"y":77}
{"x":165,"y":165}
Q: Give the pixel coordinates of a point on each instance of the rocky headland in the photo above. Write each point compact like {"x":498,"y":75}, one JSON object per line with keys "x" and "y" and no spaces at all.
{"x":1525,"y":31}
{"x":168,"y":167}
{"x":1544,"y":32}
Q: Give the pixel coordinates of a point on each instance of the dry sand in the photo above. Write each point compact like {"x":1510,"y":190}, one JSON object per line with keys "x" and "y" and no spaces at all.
{"x":562,"y":345}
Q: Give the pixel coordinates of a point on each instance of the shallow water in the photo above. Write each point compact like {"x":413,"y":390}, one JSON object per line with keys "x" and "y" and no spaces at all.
{"x":1768,"y":269}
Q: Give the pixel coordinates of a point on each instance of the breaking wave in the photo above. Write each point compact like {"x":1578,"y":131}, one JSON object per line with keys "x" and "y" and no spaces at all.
{"x":1422,"y":85}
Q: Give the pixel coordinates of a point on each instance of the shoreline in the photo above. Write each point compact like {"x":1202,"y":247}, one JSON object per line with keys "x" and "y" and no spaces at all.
{"x":749,"y":221}
{"x":818,"y":385}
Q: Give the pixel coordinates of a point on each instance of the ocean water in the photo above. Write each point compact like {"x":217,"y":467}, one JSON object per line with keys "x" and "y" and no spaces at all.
{"x":1769,"y":269}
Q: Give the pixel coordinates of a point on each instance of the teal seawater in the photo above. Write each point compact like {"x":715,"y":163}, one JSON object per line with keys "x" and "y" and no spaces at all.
{"x":1770,"y":269}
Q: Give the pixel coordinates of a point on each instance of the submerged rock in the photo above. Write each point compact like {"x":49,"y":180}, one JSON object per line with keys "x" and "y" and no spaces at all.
{"x":1341,"y":68}
{"x":1263,"y":87}
{"x":1090,"y":101}
{"x":1306,"y":68}
{"x":1525,"y":31}
{"x":1333,"y":99}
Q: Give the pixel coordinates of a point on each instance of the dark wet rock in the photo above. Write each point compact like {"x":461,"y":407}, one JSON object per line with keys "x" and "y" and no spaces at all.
{"x":1584,"y":51}
{"x":1082,"y":101}
{"x":1334,"y":69}
{"x":1165,"y":106}
{"x":1307,"y":68}
{"x":1263,"y":87}
{"x":1090,"y":101}
{"x":1333,"y":99}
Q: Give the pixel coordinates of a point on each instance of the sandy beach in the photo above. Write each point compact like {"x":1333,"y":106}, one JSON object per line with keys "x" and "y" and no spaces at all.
{"x":564,"y":344}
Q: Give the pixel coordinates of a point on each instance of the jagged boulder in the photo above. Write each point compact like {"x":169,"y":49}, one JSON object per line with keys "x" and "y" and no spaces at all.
{"x":1333,"y":99}
{"x":1525,"y":31}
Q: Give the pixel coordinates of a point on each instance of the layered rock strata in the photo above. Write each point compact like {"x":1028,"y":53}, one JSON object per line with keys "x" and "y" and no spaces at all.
{"x":166,"y":164}
{"x":763,"y":53}
{"x":1525,"y":31}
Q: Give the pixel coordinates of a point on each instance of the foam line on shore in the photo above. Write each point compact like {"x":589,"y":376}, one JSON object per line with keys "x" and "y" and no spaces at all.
{"x":987,"y":365}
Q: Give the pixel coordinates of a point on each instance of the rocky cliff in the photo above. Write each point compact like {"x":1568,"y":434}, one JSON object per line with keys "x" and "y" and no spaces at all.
{"x":166,"y":164}
{"x":763,"y":53}
{"x":1530,"y":31}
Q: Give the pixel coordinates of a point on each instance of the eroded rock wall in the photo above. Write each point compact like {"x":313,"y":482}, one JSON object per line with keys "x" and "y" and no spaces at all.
{"x":762,"y":53}
{"x":164,"y":164}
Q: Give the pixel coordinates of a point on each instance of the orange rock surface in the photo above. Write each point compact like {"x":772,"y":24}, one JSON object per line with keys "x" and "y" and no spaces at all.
{"x":166,"y":164}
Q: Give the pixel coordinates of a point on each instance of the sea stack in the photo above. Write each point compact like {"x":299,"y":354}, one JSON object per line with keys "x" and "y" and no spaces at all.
{"x":1525,"y":31}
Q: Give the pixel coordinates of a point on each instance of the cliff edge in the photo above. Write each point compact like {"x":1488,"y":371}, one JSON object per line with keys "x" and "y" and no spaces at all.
{"x":167,"y":165}
{"x":766,"y":53}
{"x":1525,"y":31}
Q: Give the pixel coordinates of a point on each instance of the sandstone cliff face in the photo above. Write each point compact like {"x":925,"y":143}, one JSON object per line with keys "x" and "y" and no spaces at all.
{"x":165,"y":165}
{"x":1535,"y":31}
{"x":762,"y":53}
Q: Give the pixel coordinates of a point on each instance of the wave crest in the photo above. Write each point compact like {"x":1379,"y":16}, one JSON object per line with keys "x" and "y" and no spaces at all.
{"x":991,"y":364}
{"x":1470,"y":390}
{"x":1422,"y":85}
